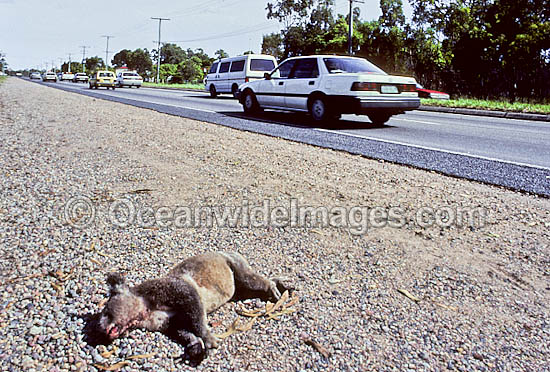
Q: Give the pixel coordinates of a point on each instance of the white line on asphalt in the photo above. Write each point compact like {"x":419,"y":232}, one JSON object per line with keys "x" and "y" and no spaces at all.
{"x":434,"y":149}
{"x":420,"y":121}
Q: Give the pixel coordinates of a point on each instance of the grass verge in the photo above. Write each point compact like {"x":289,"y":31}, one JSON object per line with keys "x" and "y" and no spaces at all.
{"x":175,"y":86}
{"x":2,"y":79}
{"x":489,"y":105}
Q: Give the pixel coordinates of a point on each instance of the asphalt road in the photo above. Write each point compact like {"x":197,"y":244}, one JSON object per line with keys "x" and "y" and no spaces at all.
{"x":506,"y":152}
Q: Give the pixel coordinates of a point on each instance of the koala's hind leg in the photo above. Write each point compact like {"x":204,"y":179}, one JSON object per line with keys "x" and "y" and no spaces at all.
{"x":249,"y":284}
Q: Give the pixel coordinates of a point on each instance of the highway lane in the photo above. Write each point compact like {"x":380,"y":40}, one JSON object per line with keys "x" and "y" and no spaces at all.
{"x":507,"y":152}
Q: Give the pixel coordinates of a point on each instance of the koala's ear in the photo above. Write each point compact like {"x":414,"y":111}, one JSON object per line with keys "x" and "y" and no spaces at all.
{"x":116,"y":282}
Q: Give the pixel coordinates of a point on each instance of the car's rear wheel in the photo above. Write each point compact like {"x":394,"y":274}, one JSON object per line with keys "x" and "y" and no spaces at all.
{"x":250,"y":103}
{"x":213,"y":92}
{"x":318,"y":109}
{"x":379,"y":119}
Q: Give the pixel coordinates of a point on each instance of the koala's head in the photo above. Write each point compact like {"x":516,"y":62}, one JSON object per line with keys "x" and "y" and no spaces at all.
{"x":123,"y":310}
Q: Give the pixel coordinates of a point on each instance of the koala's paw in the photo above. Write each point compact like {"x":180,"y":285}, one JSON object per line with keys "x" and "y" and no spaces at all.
{"x":283,"y":284}
{"x":195,"y":352}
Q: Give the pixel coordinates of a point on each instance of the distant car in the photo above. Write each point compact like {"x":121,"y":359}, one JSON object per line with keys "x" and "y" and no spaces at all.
{"x":80,"y":77}
{"x":129,"y":79}
{"x":102,"y":79}
{"x":35,"y":75}
{"x":428,"y":93}
{"x":66,"y":76}
{"x":18,"y":74}
{"x":49,"y":76}
{"x":328,"y":86}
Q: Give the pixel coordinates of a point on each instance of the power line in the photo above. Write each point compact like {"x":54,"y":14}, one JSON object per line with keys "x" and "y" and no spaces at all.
{"x":243,"y":31}
{"x":158,"y":49}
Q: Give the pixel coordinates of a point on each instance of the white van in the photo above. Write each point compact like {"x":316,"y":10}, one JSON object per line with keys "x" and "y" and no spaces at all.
{"x":227,"y":74}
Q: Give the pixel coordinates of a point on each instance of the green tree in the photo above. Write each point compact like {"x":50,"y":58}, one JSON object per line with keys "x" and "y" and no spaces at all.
{"x":94,"y":63}
{"x":122,"y":58}
{"x":190,"y":70}
{"x":140,"y":60}
{"x":272,"y":44}
{"x":168,"y":70}
{"x":171,"y":53}
{"x":220,"y":53}
{"x":3,"y":63}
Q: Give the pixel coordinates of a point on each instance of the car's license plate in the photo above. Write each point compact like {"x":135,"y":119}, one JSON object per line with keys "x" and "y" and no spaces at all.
{"x":389,"y":89}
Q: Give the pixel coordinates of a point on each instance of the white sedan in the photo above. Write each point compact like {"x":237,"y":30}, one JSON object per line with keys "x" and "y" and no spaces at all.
{"x":328,"y":86}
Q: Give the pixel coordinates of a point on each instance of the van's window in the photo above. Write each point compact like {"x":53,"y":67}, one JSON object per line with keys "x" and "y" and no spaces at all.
{"x":261,"y":65}
{"x":284,"y":69}
{"x":305,"y":69}
{"x":224,"y":67}
{"x":214,"y":68}
{"x":237,"y":66}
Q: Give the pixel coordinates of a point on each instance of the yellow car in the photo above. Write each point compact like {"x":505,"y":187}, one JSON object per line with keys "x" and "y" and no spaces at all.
{"x":105,"y":79}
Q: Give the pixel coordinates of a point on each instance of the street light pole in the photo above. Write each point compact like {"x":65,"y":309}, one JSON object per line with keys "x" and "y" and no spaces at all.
{"x":350,"y":28}
{"x":158,"y":49}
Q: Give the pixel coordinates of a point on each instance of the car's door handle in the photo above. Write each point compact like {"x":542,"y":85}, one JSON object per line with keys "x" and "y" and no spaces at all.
{"x":281,"y":82}
{"x":312,"y":83}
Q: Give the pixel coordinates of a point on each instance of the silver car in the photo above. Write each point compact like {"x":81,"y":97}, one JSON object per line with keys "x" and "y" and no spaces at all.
{"x":49,"y":76}
{"x":129,"y":79}
{"x":35,"y":75}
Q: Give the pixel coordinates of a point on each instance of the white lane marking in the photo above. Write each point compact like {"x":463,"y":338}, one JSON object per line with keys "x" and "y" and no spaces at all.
{"x":499,"y":126}
{"x":435,"y":149}
{"x":420,"y":121}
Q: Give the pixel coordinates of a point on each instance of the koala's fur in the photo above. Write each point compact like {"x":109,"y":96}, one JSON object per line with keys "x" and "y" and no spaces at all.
{"x":178,"y":303}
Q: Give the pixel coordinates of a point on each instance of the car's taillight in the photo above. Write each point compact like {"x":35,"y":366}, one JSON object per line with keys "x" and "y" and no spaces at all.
{"x":246,"y":80}
{"x":407,"y":88}
{"x":364,"y":86}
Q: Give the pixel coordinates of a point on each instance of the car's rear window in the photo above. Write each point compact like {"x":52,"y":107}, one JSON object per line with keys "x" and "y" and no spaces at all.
{"x":351,"y":65}
{"x":224,"y":67}
{"x":130,"y":74}
{"x":106,"y":74}
{"x":237,"y":66}
{"x":261,"y":65}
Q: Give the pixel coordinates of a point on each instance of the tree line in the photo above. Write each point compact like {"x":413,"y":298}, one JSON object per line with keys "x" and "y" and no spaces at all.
{"x":475,"y":48}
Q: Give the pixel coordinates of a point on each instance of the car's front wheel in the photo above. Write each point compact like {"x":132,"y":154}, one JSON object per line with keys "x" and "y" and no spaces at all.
{"x":250,"y":103}
{"x":379,"y":119}
{"x":213,"y":92}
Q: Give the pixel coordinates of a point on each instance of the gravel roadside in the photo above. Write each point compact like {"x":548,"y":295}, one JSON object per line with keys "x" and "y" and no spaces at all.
{"x":418,"y":293}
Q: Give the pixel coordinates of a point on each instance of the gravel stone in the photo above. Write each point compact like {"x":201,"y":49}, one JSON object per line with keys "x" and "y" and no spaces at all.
{"x":422,"y":297}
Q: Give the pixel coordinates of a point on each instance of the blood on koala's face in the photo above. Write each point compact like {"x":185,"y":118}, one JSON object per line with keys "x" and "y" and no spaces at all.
{"x":122,"y":312}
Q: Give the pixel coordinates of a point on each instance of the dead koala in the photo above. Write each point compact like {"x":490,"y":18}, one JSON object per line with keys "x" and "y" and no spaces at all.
{"x":177,"y":303}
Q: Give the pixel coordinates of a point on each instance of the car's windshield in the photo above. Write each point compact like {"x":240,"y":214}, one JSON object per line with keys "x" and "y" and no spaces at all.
{"x":351,"y":65}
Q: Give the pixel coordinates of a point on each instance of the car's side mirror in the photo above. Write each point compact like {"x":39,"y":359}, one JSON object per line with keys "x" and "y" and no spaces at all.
{"x":267,"y":76}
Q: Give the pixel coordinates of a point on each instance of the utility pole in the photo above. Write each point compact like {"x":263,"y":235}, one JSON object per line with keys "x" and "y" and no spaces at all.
{"x":158,"y":49}
{"x":70,"y":54}
{"x":350,"y":28}
{"x":107,"y":50}
{"x":83,"y":57}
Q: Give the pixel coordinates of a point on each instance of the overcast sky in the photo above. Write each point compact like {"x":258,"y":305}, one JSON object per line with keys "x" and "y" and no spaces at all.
{"x":36,"y":33}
